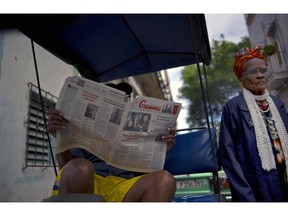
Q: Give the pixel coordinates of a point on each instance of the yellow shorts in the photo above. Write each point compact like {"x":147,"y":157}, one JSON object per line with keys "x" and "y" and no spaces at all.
{"x":112,"y":188}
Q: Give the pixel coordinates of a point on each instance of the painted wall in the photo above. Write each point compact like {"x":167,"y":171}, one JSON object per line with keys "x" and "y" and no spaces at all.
{"x":16,"y":70}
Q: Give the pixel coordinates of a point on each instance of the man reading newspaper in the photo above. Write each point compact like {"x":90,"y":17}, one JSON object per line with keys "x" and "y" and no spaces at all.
{"x":84,"y":172}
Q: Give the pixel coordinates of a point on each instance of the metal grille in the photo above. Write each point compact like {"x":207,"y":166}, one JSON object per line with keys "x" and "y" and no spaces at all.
{"x":37,"y":144}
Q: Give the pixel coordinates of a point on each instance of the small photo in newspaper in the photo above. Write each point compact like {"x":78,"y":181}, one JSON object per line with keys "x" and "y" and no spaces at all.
{"x":81,"y":82}
{"x":90,"y":111}
{"x":137,"y":121}
{"x":116,"y":116}
{"x":167,"y":108}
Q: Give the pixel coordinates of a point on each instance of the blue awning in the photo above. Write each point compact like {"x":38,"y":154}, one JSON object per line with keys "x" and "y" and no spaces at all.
{"x":105,"y":47}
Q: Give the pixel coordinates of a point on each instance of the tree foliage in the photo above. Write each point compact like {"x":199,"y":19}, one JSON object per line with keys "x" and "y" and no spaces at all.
{"x":222,"y":82}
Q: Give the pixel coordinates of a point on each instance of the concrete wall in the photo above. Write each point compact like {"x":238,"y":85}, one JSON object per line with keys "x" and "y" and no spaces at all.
{"x":16,"y":70}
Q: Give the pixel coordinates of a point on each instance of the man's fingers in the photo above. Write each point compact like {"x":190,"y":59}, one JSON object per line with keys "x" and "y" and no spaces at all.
{"x":56,"y":121}
{"x":171,"y":131}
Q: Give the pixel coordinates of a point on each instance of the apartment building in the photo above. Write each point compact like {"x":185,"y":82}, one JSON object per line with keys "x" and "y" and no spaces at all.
{"x":271,"y":29}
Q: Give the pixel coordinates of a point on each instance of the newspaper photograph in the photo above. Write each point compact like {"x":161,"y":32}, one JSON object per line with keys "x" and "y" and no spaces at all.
{"x":124,"y":134}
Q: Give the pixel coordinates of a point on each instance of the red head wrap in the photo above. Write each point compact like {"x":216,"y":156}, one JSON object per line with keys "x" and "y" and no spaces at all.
{"x":244,"y":55}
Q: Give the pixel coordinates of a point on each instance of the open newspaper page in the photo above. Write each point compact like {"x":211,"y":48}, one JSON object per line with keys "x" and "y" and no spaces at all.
{"x":138,"y":145}
{"x":124,"y":134}
{"x":89,"y":108}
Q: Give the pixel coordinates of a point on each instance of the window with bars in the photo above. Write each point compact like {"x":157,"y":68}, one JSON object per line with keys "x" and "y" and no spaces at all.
{"x":38,"y":153}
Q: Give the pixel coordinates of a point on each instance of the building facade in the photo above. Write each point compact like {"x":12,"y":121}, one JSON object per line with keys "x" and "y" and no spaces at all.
{"x":271,"y":29}
{"x":27,"y":164}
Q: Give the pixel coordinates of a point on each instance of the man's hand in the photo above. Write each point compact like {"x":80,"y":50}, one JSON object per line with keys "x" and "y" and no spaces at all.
{"x":169,"y":138}
{"x":56,"y":121}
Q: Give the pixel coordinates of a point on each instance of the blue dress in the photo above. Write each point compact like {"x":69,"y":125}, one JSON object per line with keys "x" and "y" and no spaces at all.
{"x":239,"y":157}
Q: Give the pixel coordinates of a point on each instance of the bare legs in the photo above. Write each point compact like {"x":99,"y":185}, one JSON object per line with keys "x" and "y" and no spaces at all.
{"x":158,"y":186}
{"x":78,"y":177}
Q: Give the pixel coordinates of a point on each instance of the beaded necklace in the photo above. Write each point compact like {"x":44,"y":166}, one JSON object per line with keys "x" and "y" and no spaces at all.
{"x":270,"y":124}
{"x":264,"y":140}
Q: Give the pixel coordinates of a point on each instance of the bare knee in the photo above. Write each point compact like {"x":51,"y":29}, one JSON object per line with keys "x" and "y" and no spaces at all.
{"x":162,"y":188}
{"x":77,"y":177}
{"x":165,"y":180}
{"x":161,"y":185}
{"x":158,"y":186}
{"x":80,"y":167}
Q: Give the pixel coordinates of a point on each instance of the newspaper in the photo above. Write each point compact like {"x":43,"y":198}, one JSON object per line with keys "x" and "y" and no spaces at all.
{"x":125,"y":134}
